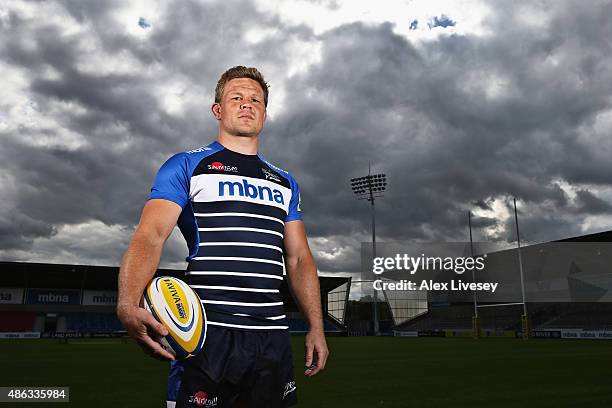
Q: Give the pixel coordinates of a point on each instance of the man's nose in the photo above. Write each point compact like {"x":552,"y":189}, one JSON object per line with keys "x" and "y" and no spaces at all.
{"x":245,"y":105}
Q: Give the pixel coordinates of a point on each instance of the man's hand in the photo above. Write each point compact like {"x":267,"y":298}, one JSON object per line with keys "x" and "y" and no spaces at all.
{"x":137,"y":269}
{"x":142,"y":327}
{"x":316,"y":352}
{"x":304,"y":285}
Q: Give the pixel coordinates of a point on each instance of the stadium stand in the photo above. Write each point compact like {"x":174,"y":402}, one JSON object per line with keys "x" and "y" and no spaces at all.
{"x":55,"y":299}
{"x":543,"y":316}
{"x":298,"y":326}
{"x":92,"y":322}
{"x":583,"y":314}
{"x":586,"y":316}
{"x":16,"y":321}
{"x":457,"y":317}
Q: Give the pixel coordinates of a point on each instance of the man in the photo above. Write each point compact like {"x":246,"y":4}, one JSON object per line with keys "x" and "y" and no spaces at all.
{"x":241,"y":219}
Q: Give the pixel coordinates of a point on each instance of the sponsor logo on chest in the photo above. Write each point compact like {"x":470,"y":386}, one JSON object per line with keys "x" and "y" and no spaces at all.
{"x":246,"y":189}
{"x":213,"y":186}
{"x":218,"y":166}
{"x":270,"y":176}
{"x":199,"y":149}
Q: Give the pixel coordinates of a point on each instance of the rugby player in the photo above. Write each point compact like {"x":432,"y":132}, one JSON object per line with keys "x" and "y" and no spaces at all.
{"x":241,"y":218}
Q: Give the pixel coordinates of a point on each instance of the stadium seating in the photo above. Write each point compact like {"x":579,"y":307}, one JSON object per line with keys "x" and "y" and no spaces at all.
{"x":92,"y":322}
{"x":587,"y":316}
{"x":459,"y":317}
{"x":329,"y":327}
{"x":584,"y":320}
{"x":15,"y":321}
{"x":297,"y":325}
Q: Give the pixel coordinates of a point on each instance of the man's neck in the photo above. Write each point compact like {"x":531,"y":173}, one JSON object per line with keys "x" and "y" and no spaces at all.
{"x":239,"y":144}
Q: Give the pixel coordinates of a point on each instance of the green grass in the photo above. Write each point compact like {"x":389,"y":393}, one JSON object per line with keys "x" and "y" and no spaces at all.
{"x":362,"y":372}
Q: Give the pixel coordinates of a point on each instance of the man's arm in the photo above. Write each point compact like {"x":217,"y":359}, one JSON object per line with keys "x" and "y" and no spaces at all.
{"x":304,"y":285}
{"x":137,"y":269}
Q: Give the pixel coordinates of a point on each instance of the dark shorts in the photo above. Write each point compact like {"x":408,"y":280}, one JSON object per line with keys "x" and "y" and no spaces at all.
{"x":253,"y":366}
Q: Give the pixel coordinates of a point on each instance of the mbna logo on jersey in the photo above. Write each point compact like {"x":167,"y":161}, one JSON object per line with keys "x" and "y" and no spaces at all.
{"x":245,"y":189}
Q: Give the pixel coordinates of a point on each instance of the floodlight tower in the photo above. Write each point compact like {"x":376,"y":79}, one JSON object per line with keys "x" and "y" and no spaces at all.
{"x":369,"y":188}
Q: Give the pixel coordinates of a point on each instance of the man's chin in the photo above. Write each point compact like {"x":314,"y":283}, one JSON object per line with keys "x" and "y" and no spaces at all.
{"x":246,"y":133}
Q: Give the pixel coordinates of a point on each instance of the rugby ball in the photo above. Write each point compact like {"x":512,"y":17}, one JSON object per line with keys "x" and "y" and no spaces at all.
{"x":178,"y":307}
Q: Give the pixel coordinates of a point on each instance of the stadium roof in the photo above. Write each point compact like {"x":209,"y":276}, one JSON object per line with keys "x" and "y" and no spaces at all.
{"x":44,"y":275}
{"x":605,"y":236}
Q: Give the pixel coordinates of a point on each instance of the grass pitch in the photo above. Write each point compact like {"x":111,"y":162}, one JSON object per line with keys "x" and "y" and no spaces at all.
{"x":362,"y":372}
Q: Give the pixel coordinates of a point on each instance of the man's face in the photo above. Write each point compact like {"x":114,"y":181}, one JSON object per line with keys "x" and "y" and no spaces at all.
{"x":241,"y":111}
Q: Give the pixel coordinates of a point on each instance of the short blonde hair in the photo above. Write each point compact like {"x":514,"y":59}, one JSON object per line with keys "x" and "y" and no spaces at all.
{"x":241,"y":72}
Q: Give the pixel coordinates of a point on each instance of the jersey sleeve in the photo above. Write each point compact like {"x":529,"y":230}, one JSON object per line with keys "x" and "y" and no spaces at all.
{"x":295,"y":210}
{"x":172,"y":181}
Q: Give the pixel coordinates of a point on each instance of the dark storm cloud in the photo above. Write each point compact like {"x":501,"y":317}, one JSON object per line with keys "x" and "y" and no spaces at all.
{"x":433,"y":120}
{"x":482,"y":222}
{"x":538,"y":226}
{"x":27,"y":228}
{"x":458,"y":123}
{"x":338,"y":253}
{"x":126,"y":133}
{"x":591,"y":204}
{"x":483,"y":205}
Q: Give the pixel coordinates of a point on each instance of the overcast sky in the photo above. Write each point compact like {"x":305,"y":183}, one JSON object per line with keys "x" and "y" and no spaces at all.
{"x":463,"y":104}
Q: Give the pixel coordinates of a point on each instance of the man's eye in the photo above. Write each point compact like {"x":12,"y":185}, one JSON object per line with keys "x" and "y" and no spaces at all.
{"x":236,"y":97}
{"x":255,"y":100}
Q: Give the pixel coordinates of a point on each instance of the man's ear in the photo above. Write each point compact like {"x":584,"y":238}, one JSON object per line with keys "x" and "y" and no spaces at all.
{"x":216,"y":110}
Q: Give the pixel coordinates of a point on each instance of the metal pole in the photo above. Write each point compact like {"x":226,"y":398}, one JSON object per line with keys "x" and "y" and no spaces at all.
{"x":472,"y":254}
{"x":518,"y":243}
{"x":376,"y":323}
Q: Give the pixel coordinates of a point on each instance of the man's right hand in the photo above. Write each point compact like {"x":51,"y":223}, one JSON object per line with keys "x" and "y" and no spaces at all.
{"x":142,"y":327}
{"x":138,"y":268}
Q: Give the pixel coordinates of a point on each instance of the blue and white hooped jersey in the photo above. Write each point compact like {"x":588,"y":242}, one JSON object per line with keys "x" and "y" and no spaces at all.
{"x":234,"y":211}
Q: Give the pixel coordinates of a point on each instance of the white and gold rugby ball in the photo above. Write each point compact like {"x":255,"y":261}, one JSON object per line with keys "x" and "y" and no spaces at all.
{"x":178,"y":307}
